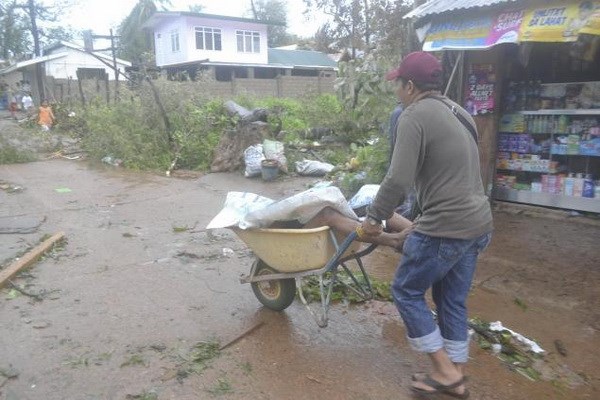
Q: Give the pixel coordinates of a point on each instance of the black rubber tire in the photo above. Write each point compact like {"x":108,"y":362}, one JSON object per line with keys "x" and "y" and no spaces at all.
{"x":277,"y":294}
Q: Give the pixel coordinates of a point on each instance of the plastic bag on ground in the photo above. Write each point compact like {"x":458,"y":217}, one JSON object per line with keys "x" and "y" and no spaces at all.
{"x":274,"y":150}
{"x":313,"y":168}
{"x":253,"y":157}
{"x":364,"y":196}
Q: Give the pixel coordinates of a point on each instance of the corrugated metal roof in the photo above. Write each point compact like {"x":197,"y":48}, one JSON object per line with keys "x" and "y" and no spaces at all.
{"x":442,"y":6}
{"x":300,"y":58}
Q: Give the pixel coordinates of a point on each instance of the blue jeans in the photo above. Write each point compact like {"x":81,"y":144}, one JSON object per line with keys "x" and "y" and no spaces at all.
{"x":447,"y":267}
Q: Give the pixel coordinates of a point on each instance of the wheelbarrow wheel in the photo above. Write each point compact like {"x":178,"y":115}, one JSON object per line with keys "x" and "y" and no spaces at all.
{"x":277,"y":294}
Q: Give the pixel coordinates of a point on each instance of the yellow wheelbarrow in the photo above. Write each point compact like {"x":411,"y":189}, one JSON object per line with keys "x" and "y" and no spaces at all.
{"x":285,"y":256}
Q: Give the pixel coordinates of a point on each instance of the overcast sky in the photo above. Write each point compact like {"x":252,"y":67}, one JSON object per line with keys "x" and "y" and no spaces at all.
{"x":101,"y":15}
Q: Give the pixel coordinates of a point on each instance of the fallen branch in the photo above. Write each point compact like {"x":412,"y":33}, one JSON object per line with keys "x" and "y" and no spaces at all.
{"x":21,"y":290}
{"x":243,"y":334}
{"x":29,"y":258}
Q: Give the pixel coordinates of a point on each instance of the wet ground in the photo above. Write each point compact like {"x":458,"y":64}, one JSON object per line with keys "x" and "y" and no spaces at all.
{"x":140,"y":283}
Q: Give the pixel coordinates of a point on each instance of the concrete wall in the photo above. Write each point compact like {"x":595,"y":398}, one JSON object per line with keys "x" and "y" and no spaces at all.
{"x":67,"y":90}
{"x":283,"y":86}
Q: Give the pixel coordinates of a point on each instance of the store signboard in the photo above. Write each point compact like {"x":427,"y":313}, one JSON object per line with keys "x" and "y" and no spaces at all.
{"x":560,"y":22}
{"x":474,"y":33}
{"x":555,"y":21}
{"x":480,"y":90}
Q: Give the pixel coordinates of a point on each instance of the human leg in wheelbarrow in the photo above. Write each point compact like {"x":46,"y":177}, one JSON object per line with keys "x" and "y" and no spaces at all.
{"x":397,"y":227}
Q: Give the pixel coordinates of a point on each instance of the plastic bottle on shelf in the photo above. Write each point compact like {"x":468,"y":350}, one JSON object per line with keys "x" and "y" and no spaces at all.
{"x":554,"y":125}
{"x":569,"y":185}
{"x":563,"y":123}
{"x":529,"y":123}
{"x":511,"y":97}
{"x":523,"y":96}
{"x":538,"y":95}
{"x":537,"y":124}
{"x":578,"y":185}
{"x":588,"y":187}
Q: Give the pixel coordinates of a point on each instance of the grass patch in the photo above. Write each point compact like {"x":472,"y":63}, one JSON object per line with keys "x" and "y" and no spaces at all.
{"x":223,"y":386}
{"x":197,"y":359}
{"x":135,"y":359}
{"x":340,"y":292}
{"x":12,"y":155}
{"x":246,"y":368}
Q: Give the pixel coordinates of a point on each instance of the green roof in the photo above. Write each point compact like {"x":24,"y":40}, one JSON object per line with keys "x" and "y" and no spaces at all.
{"x":300,"y":58}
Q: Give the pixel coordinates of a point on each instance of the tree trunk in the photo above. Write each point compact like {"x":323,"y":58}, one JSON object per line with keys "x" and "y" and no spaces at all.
{"x":36,"y":46}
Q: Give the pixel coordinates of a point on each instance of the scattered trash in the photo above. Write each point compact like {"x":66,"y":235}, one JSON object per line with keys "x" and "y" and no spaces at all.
{"x":115,"y":162}
{"x":179,"y":229}
{"x":365,"y":196}
{"x":253,"y":157}
{"x":227,"y":252}
{"x":313,"y":168}
{"x":269,"y":169}
{"x":274,"y":150}
{"x":533,"y":346}
{"x":496,"y":348}
{"x":10,"y":188}
{"x":63,"y":190}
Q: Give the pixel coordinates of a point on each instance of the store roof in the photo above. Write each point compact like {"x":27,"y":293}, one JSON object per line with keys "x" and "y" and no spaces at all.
{"x":442,"y":6}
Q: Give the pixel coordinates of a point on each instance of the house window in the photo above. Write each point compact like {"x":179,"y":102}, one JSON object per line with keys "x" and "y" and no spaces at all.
{"x":174,"y":41}
{"x":248,"y":42}
{"x":208,"y":38}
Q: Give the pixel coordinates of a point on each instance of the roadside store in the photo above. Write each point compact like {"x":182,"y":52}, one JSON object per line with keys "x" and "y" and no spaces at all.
{"x":529,"y":73}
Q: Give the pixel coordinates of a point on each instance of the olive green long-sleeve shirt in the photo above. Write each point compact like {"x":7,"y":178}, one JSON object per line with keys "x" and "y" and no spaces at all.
{"x":436,"y":153}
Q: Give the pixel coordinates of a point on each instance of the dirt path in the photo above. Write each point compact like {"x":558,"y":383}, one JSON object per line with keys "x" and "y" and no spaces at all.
{"x":139,"y":283}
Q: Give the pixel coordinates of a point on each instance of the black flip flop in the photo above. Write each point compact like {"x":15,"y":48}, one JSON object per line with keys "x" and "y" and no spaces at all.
{"x":439,"y":388}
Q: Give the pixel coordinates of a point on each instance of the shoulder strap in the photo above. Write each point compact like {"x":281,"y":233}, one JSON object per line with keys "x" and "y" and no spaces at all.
{"x":461,"y":118}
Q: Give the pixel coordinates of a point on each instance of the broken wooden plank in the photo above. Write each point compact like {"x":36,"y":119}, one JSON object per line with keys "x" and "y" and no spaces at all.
{"x":29,"y":258}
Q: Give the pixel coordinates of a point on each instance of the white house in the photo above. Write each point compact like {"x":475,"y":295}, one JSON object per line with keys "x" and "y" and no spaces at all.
{"x":61,"y":61}
{"x":231,"y":47}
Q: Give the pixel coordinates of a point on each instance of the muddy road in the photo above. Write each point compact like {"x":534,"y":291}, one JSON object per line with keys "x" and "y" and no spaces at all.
{"x":134,"y":300}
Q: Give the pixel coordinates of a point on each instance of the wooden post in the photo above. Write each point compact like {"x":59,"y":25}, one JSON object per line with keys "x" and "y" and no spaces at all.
{"x":29,"y":258}
{"x":79,"y":76}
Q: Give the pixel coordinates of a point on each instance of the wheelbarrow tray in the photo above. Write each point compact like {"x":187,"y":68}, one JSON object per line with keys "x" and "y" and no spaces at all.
{"x":293,"y":250}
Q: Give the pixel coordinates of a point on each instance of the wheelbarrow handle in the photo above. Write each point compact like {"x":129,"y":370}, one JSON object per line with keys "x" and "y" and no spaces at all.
{"x":333,"y":262}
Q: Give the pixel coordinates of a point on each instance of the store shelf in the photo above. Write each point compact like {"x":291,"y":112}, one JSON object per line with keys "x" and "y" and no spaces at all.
{"x":595,"y":111}
{"x":575,"y":155}
{"x":521,"y":170}
{"x":548,"y":200}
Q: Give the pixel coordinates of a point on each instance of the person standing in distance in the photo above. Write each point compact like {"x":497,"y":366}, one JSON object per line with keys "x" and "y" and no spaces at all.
{"x":436,"y":152}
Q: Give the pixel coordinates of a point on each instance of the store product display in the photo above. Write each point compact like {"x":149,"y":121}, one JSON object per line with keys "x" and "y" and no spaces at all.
{"x":547,"y":142}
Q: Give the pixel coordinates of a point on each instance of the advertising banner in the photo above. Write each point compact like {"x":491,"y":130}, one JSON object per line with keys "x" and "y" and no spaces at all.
{"x":474,"y":33}
{"x":480,"y":90}
{"x":560,"y":22}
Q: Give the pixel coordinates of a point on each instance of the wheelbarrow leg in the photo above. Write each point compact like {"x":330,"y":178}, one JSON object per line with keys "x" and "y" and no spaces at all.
{"x":321,"y":318}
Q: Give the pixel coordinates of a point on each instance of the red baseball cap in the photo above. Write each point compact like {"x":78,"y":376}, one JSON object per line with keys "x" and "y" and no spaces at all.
{"x":418,"y":66}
